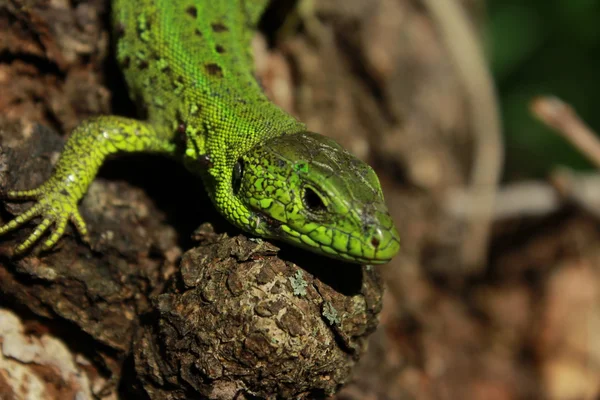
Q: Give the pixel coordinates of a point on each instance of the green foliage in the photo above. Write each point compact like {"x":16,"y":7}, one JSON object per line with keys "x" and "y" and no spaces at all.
{"x":541,"y":47}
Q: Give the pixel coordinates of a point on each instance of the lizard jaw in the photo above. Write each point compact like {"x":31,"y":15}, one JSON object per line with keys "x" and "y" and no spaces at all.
{"x":387,"y":246}
{"x":377,"y":248}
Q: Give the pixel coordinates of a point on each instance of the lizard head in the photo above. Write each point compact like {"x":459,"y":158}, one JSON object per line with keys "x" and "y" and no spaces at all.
{"x":307,"y":190}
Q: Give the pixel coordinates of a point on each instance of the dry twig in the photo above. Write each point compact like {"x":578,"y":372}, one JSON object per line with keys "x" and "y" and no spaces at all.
{"x":467,"y":55}
{"x":562,"y":117}
{"x":534,"y":198}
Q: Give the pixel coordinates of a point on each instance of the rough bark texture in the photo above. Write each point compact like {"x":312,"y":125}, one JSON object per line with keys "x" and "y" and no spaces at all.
{"x":240,"y":321}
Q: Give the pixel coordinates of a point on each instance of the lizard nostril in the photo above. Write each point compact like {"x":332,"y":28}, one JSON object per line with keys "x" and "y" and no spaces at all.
{"x":375,"y":241}
{"x":376,"y":238}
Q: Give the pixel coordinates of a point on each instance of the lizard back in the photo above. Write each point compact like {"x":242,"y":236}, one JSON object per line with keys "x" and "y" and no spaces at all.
{"x":188,"y":63}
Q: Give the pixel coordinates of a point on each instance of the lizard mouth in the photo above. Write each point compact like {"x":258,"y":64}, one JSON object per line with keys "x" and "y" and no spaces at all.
{"x":378,"y":248}
{"x":378,"y":245}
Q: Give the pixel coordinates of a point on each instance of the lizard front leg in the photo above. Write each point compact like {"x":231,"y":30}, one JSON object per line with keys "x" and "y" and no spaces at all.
{"x":84,"y":153}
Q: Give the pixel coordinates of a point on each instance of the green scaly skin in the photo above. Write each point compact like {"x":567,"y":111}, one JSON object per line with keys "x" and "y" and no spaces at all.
{"x":189,"y":68}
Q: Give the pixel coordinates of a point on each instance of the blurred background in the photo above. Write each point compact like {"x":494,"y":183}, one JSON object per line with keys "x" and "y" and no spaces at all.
{"x":543,"y":47}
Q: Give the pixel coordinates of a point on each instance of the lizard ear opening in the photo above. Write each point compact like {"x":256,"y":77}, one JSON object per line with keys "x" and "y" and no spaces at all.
{"x":238,"y":174}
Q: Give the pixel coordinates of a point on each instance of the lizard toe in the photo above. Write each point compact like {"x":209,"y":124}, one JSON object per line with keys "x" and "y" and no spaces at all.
{"x":22,"y":219}
{"x":35,"y":235}
{"x":58,"y":232}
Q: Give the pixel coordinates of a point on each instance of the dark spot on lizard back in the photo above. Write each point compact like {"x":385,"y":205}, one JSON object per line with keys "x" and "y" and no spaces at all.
{"x":143,"y":64}
{"x":120,"y":30}
{"x":214,"y":70}
{"x":193,"y":11}
{"x":195,"y":109}
{"x":125,"y":62}
{"x":219,"y":27}
{"x":220,"y":49}
{"x":205,"y":160}
{"x":197,"y":32}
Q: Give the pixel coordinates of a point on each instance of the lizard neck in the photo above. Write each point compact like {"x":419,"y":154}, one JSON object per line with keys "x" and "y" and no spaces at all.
{"x":188,"y":63}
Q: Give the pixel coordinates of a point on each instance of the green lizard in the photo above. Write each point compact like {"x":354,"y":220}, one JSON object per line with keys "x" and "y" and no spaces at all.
{"x":189,"y":68}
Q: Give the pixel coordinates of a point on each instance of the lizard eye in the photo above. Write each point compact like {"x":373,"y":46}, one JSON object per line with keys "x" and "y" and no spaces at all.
{"x":313,"y":201}
{"x":238,"y":173}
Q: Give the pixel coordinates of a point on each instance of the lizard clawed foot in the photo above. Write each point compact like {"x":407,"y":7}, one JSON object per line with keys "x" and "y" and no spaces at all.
{"x":55,"y":205}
